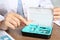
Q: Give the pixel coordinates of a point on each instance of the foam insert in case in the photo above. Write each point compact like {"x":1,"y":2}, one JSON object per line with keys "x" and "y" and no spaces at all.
{"x":35,"y":30}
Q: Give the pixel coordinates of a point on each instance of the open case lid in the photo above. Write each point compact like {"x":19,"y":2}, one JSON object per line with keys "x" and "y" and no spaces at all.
{"x":40,"y":16}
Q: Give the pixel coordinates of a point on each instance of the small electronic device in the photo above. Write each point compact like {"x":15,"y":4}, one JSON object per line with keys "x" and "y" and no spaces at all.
{"x":42,"y":23}
{"x":5,"y":36}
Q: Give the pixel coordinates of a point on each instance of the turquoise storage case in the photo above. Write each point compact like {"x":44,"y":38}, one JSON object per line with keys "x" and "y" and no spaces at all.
{"x":42,"y":22}
{"x":34,"y":30}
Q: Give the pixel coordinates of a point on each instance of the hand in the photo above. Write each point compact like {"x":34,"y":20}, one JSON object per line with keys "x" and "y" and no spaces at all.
{"x":56,"y":13}
{"x":13,"y":20}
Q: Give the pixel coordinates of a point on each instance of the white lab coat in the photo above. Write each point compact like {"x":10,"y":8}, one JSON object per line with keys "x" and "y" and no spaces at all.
{"x":12,"y":5}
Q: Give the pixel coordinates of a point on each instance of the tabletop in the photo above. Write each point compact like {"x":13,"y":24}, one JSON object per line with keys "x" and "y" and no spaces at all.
{"x":16,"y":34}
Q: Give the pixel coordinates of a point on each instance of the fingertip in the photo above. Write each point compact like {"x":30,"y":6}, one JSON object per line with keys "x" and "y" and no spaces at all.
{"x":28,"y":22}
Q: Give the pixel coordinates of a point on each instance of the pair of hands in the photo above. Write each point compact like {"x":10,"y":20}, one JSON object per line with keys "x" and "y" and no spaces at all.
{"x":14,"y":20}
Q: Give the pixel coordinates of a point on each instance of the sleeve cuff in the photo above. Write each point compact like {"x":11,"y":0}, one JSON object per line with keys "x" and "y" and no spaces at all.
{"x":1,"y":18}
